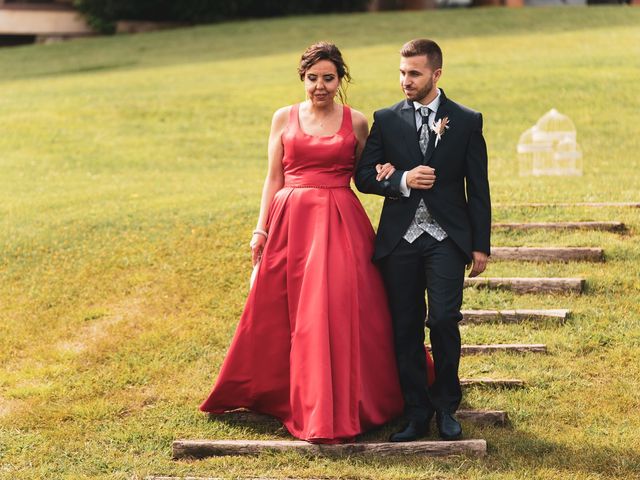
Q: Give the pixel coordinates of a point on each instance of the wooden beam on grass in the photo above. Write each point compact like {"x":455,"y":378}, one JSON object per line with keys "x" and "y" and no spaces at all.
{"x":503,"y":347}
{"x":483,"y":417}
{"x":155,"y":477}
{"x":548,"y":254}
{"x":492,"y":382}
{"x":513,"y":316}
{"x":578,"y":204}
{"x":601,"y":226}
{"x":529,"y":285}
{"x":500,"y":347}
{"x":213,"y":448}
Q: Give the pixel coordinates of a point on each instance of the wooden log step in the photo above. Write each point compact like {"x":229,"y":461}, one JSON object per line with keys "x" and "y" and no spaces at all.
{"x":213,"y":448}
{"x":513,"y":316}
{"x":154,"y":477}
{"x":603,"y":226}
{"x":483,"y":417}
{"x":548,"y":254}
{"x":503,"y":347}
{"x":578,"y":204}
{"x":219,"y":478}
{"x":248,"y":418}
{"x":492,"y":382}
{"x":529,"y":285}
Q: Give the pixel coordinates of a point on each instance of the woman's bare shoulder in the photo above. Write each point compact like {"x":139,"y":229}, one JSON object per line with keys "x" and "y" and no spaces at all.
{"x":359,"y":121}
{"x":281,"y":117}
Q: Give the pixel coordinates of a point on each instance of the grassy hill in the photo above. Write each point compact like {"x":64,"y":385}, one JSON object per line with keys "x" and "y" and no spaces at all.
{"x":131,"y":170}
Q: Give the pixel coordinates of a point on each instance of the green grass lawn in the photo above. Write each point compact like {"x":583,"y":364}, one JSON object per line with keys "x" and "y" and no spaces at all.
{"x":131,"y":170}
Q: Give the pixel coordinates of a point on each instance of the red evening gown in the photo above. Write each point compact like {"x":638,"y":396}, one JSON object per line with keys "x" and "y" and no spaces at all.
{"x":314,"y":346}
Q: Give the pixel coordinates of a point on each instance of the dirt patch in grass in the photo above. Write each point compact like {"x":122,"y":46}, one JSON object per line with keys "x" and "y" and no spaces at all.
{"x":99,"y":326}
{"x":7,"y":407}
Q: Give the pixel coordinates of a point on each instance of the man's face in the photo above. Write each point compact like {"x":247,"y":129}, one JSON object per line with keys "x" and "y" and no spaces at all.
{"x":417,"y":78}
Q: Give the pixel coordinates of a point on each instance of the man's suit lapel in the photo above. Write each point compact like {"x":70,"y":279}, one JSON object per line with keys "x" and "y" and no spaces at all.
{"x":443,"y":111}
{"x":409,"y":130}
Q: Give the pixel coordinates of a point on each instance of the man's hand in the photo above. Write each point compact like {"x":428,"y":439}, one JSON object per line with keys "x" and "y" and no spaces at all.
{"x":478,"y":264}
{"x":421,"y":177}
{"x":384,"y":171}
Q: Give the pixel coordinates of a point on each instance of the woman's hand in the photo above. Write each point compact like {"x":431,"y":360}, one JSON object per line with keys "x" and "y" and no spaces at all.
{"x":384,"y":171}
{"x":257,"y":245}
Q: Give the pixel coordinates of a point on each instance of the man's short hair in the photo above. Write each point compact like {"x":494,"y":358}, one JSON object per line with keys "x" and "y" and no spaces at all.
{"x":424,"y":46}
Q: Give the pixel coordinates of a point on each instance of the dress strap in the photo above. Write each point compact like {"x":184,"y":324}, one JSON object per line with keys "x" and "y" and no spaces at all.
{"x":293,"y":117}
{"x":347,"y":124}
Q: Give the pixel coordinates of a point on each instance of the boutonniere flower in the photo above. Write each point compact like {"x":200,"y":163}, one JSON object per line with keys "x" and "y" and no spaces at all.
{"x":439,"y":128}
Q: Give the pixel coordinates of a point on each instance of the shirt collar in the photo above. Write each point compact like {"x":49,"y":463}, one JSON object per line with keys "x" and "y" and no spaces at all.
{"x":433,"y":106}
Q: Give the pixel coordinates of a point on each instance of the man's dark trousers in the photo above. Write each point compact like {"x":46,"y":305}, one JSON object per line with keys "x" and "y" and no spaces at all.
{"x":437,"y":267}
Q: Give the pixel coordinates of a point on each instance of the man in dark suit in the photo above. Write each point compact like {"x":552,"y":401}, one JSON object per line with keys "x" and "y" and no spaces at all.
{"x":426,"y":155}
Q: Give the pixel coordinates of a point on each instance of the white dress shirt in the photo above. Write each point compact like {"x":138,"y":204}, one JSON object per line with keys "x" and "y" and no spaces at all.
{"x":405,"y":190}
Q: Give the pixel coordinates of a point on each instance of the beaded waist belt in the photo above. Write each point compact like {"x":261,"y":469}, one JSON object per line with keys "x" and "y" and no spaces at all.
{"x":316,"y":186}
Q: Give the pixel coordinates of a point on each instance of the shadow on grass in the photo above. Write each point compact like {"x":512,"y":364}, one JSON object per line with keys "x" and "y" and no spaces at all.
{"x":256,"y":423}
{"x":507,"y":448}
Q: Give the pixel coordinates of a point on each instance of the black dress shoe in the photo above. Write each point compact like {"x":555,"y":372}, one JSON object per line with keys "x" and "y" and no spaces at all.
{"x":414,"y":430}
{"x":448,"y":426}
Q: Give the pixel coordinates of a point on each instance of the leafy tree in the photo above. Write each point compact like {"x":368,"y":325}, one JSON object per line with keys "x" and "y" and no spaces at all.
{"x":103,"y":14}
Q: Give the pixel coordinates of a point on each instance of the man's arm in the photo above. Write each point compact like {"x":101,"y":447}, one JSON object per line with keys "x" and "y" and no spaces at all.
{"x":365,"y":175}
{"x":478,"y":197}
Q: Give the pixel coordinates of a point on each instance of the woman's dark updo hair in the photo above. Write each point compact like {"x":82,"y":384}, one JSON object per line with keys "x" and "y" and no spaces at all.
{"x":326,"y":51}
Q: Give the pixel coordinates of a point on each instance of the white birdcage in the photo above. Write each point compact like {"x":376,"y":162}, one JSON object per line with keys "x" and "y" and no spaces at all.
{"x":568,"y":157}
{"x":550,"y":147}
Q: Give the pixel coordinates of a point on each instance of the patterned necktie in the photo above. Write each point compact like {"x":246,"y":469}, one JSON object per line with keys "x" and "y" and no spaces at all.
{"x":424,"y":130}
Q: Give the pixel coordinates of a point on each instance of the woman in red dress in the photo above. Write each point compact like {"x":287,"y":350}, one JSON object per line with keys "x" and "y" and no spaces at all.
{"x":314,"y":346}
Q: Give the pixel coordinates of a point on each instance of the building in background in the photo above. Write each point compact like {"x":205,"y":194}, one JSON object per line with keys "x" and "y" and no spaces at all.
{"x":23,"y":22}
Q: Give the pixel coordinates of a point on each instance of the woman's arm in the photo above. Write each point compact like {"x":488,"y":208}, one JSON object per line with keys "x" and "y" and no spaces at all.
{"x":361,"y":131}
{"x":373,"y":174}
{"x":272,"y":183}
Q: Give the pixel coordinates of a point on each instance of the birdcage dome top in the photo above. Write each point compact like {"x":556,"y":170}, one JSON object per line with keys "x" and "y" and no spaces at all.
{"x":554,"y":121}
